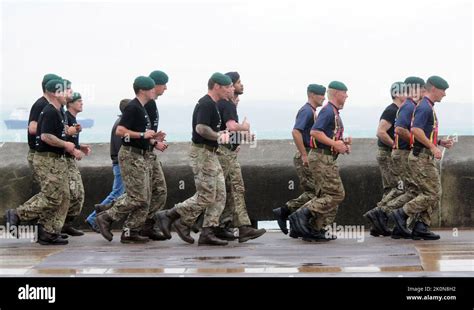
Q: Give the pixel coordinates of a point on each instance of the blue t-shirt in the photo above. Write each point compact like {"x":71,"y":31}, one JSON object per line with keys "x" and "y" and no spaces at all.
{"x":304,"y":122}
{"x":403,"y":120}
{"x":326,"y":122}
{"x":425,"y":119}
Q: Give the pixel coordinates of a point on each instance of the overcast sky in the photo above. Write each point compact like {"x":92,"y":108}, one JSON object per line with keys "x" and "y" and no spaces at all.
{"x":279,"y":47}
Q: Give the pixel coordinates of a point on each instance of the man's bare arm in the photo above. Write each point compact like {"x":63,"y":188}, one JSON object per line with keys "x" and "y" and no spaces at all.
{"x":403,"y":133}
{"x":32,"y":126}
{"x":298,"y":138}
{"x":382,"y":132}
{"x":52,"y":140}
{"x":206,"y":132}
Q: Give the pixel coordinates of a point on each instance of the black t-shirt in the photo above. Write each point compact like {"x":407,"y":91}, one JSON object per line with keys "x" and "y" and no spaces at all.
{"x":135,"y":118}
{"x":35,"y":111}
{"x":206,"y":113}
{"x":152,"y":111}
{"x":50,"y":121}
{"x":71,"y":122}
{"x":389,"y":114}
{"x":228,"y":112}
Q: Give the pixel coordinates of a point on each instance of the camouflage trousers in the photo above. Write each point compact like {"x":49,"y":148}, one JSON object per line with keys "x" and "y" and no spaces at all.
{"x":210,"y":194}
{"x":51,"y":204}
{"x":76,"y":189}
{"x":391,"y":179}
{"x":307,"y":184}
{"x":235,"y":210}
{"x":400,"y":165}
{"x":331,"y":190}
{"x":157,"y":183}
{"x":35,"y":188}
{"x":426,"y":176}
{"x":136,"y":202}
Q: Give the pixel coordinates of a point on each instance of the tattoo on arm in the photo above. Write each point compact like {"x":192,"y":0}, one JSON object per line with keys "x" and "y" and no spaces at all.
{"x":52,"y":140}
{"x":206,"y":132}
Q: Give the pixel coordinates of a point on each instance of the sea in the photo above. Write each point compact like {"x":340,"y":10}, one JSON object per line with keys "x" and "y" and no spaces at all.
{"x":269,"y":120}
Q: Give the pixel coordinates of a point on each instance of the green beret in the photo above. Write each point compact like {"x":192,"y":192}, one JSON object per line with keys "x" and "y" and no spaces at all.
{"x":47,"y":78}
{"x":316,"y":89}
{"x":221,"y":79}
{"x":76,"y":96}
{"x":397,"y":89}
{"x":414,"y":80}
{"x":54,"y":85}
{"x":438,"y":82}
{"x":159,"y":77}
{"x":143,"y":83}
{"x":337,"y":86}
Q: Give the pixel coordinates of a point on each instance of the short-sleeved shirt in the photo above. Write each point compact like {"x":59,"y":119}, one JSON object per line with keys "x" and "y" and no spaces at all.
{"x":228,"y":111}
{"x":403,"y":120}
{"x":135,"y":118}
{"x":329,"y":122}
{"x":153,"y":114}
{"x":389,"y":115}
{"x":50,"y":121}
{"x":425,"y":118}
{"x":35,"y":112}
{"x":206,"y":113}
{"x":71,"y":122}
{"x":304,"y":122}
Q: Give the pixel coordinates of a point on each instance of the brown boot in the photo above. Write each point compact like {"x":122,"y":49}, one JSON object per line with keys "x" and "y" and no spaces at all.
{"x":246,"y":233}
{"x":104,"y":221}
{"x":184,"y":232}
{"x":132,"y":236}
{"x":149,"y":230}
{"x":207,"y":237}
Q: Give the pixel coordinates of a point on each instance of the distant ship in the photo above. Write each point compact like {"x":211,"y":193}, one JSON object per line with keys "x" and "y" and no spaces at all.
{"x":19,"y":120}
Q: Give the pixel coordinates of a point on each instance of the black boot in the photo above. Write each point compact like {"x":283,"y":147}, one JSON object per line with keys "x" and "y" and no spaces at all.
{"x":164,"y":219}
{"x":46,"y":238}
{"x":421,"y":232}
{"x":247,"y":233}
{"x":318,"y":236}
{"x":300,"y":221}
{"x":281,"y":215}
{"x":101,"y":208}
{"x":104,"y":222}
{"x":149,"y":230}
{"x":397,"y":234}
{"x":198,"y":224}
{"x":207,"y":237}
{"x":400,"y":219}
{"x":184,"y":232}
{"x":132,"y":236}
{"x":383,"y":221}
{"x":224,"y":233}
{"x":69,"y":229}
{"x":372,"y":217}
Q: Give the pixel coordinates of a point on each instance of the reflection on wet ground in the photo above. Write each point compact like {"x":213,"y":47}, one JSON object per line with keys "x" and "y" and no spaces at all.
{"x":273,"y":254}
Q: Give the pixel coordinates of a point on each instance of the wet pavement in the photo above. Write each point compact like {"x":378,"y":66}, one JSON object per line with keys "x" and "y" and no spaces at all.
{"x":274,"y":254}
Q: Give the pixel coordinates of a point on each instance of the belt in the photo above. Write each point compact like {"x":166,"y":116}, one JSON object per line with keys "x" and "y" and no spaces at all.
{"x":421,"y":150}
{"x":231,"y":147}
{"x":212,"y":149}
{"x":385,"y":148}
{"x":49,"y":154}
{"x":323,"y":151}
{"x":134,"y":149}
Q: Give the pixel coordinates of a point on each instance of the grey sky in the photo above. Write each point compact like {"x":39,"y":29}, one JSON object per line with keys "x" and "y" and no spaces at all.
{"x":278,"y":47}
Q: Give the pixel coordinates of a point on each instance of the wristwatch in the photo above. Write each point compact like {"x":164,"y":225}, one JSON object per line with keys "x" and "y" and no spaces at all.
{"x":142,"y":135}
{"x":155,"y":143}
